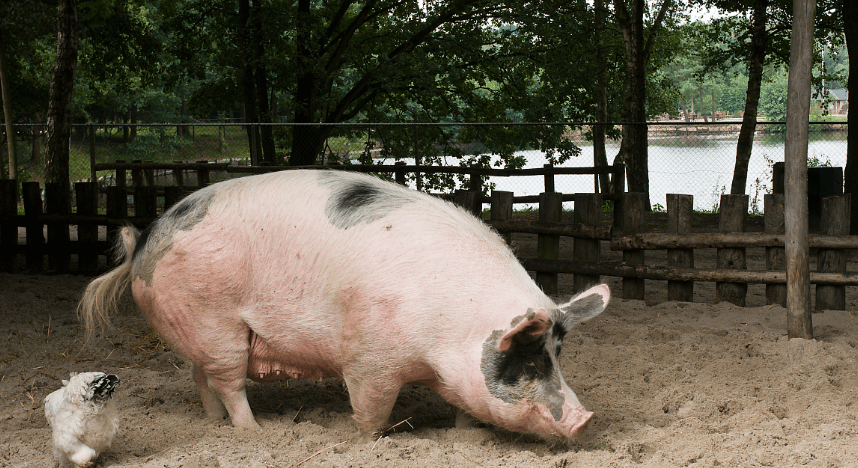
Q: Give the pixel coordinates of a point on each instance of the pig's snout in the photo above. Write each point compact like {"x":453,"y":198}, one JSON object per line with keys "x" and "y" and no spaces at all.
{"x":577,"y":421}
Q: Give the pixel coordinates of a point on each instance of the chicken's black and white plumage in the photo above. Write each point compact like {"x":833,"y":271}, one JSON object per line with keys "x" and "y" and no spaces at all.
{"x":83,"y":417}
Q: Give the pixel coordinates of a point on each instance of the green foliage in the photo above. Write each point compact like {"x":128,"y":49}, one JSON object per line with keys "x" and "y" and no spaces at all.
{"x":773,"y":97}
{"x":149,"y":142}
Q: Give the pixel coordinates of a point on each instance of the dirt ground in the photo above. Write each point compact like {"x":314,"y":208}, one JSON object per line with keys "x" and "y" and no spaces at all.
{"x":672,"y":384}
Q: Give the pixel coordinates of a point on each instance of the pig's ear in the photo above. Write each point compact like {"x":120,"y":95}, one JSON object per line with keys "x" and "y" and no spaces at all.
{"x":533,"y":325}
{"x":584,"y":306}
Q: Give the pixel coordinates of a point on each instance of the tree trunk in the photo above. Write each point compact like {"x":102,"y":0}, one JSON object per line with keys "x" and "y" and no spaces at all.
{"x":261,"y":77}
{"x":752,"y":98}
{"x":633,"y":149}
{"x":850,"y":28}
{"x":7,"y":112}
{"x":600,"y":157}
{"x":59,"y":104}
{"x":799,"y":321}
{"x":248,"y":85}
{"x":307,"y":141}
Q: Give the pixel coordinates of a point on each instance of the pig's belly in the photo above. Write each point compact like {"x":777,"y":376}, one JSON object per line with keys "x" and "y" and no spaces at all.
{"x":266,"y":365}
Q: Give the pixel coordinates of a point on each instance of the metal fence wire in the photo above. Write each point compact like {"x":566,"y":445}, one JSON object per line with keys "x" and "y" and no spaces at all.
{"x":695,"y":158}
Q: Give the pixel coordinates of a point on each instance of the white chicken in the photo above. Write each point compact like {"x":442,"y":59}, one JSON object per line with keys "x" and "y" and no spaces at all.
{"x":83,"y":417}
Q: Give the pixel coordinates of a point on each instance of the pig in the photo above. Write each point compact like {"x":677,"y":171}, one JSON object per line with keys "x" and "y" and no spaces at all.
{"x":309,"y":274}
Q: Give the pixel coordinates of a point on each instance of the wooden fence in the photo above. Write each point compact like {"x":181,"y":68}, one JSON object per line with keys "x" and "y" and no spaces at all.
{"x":624,"y":233}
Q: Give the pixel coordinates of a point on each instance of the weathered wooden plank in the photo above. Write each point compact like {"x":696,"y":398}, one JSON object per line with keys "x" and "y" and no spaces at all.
{"x":679,"y":209}
{"x":834,"y":221}
{"x":734,"y":209}
{"x":548,"y":246}
{"x":588,"y":211}
{"x":773,"y":206}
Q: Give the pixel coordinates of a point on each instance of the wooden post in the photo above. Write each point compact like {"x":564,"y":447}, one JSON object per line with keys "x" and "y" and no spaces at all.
{"x":149,"y":175}
{"x":145,"y":202}
{"x":137,"y":175}
{"x":87,"y":234}
{"x":679,"y":208}
{"x":549,"y":178}
{"x":172,"y":195}
{"x":629,"y":212}
{"x":734,"y":210}
{"x":467,"y":199}
{"x":548,"y":246}
{"x":92,"y":152}
{"x":476,"y":182}
{"x":57,"y":203}
{"x":179,"y":175}
{"x":799,"y":314}
{"x":835,"y":222}
{"x":773,"y":206}
{"x":35,"y":229}
{"x":588,"y":211}
{"x":399,"y":174}
{"x":121,"y":177}
{"x":117,"y":207}
{"x":203,"y":176}
{"x":501,"y":210}
{"x":8,"y":230}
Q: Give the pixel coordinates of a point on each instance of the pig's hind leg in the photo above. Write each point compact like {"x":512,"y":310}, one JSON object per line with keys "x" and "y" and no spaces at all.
{"x":211,"y":402}
{"x":372,"y":398}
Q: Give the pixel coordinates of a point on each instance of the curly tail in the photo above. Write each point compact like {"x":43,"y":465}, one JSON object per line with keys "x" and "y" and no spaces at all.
{"x":102,"y":294}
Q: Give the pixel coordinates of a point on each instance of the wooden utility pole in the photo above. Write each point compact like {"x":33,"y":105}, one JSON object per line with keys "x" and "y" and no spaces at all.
{"x":799,"y":322}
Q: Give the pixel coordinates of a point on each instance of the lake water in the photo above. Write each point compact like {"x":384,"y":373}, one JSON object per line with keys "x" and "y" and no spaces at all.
{"x":701,"y":166}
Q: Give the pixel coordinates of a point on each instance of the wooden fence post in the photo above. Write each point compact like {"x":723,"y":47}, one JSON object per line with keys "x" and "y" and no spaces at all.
{"x":588,"y":211}
{"x":476,"y":182}
{"x":468,"y":199}
{"x":679,"y":208}
{"x":145,"y":202}
{"x":137,"y":178}
{"x":734,"y":210}
{"x":501,"y":210}
{"x":834,"y":221}
{"x":203,"y":176}
{"x":8,"y":230}
{"x":629,"y":211}
{"x":57,"y":203}
{"x":548,"y":178}
{"x":87,"y":234}
{"x":149,"y":175}
{"x":117,"y":207}
{"x":773,"y":208}
{"x":172,"y":195}
{"x":548,"y":246}
{"x":179,"y":175}
{"x":399,"y":174}
{"x":35,"y":229}
{"x":121,"y":176}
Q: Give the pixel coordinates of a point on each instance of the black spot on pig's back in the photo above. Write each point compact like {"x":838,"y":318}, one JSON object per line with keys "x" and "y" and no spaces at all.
{"x":157,"y":239}
{"x":358,"y":199}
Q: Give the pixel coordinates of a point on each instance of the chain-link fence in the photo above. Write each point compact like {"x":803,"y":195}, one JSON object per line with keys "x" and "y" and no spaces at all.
{"x":691,"y":158}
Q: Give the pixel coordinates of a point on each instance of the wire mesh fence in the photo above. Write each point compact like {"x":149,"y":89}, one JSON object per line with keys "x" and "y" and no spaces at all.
{"x":693,"y":158}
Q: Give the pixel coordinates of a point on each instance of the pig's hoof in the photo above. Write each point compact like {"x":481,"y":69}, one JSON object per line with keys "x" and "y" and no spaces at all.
{"x":367,"y":437}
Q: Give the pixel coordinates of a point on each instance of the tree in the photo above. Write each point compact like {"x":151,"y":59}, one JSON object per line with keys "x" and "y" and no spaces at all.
{"x":59,"y":105}
{"x":638,"y":43}
{"x":9,"y":117}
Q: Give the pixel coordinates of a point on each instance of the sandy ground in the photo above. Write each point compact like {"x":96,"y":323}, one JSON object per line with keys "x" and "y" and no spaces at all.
{"x":672,"y":384}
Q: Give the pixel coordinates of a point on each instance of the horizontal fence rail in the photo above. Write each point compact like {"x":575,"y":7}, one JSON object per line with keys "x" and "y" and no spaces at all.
{"x":78,"y":240}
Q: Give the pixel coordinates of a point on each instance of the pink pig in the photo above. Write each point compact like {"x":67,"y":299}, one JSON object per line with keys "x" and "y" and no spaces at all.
{"x":312,"y":274}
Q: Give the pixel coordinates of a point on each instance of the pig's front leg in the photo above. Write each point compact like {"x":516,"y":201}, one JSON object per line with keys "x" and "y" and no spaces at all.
{"x":372,"y":398}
